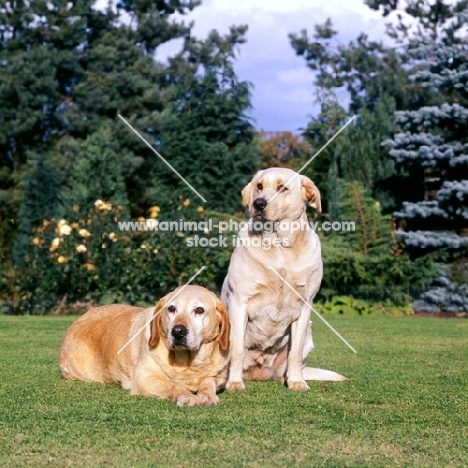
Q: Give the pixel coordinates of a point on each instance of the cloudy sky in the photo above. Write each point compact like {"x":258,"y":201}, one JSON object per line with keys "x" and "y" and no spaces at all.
{"x":283,"y":95}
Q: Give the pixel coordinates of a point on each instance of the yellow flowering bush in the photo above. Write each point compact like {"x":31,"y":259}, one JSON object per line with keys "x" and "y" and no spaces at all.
{"x":87,"y":258}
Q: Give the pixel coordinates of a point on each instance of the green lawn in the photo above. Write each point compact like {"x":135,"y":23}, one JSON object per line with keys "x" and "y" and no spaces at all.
{"x":405,"y":405}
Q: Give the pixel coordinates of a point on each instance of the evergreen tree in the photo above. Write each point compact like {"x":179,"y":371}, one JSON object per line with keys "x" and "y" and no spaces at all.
{"x":369,"y":68}
{"x":204,"y":132}
{"x":434,"y":144}
{"x":318,"y":133}
{"x":40,"y":61}
{"x":43,"y":199}
{"x":423,"y":21}
{"x":360,"y":157}
{"x":122,"y":77}
{"x":365,"y":68}
{"x":68,"y":68}
{"x":98,"y":175}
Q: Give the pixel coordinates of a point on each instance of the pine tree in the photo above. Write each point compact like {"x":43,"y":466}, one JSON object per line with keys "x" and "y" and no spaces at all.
{"x":434,"y":144}
{"x":369,"y":68}
{"x":68,"y":68}
{"x":98,"y":175}
{"x":205,"y":132}
{"x":365,"y":68}
{"x":318,"y":132}
{"x":43,"y":199}
{"x":360,"y":157}
{"x":40,"y":63}
{"x":423,"y":21}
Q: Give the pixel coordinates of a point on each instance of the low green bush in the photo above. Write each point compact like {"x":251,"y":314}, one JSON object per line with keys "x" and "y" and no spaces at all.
{"x":348,"y":305}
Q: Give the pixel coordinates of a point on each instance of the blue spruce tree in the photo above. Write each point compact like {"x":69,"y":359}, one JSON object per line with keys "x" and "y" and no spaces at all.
{"x":433,"y":150}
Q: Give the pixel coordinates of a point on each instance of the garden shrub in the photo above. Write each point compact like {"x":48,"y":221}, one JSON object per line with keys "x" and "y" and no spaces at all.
{"x":82,"y":261}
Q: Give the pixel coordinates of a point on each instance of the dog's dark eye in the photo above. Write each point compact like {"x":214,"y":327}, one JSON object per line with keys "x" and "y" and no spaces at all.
{"x":282,"y":187}
{"x":171,"y":308}
{"x":260,"y":186}
{"x":199,"y":310}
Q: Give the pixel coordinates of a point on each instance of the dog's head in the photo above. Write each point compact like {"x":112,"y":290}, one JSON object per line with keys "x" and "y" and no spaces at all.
{"x":189,"y":317}
{"x":277,"y":193}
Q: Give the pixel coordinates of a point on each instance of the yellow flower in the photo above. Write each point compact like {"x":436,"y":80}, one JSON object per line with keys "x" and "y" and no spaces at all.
{"x":102,"y":205}
{"x":84,"y":233}
{"x":179,"y":234}
{"x":90,"y":266}
{"x":75,"y":225}
{"x":155,"y":251}
{"x":120,"y":207}
{"x":186,"y":202}
{"x":144,"y":245}
{"x":76,"y":208}
{"x":54,"y":244}
{"x":36,"y":241}
{"x":45,"y":223}
{"x":81,"y":248}
{"x":64,"y":230}
{"x":154,"y":211}
{"x":62,"y":222}
{"x":62,"y":259}
{"x":200,"y":209}
{"x":103,"y":245}
{"x":141,"y":219}
{"x":113,"y":236}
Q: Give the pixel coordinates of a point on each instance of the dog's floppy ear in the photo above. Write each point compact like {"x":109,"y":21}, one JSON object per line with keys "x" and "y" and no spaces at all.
{"x":224,"y":340}
{"x":155,"y":325}
{"x":246,"y":194}
{"x":311,"y":193}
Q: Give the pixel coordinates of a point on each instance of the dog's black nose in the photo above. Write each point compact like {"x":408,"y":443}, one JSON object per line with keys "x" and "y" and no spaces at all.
{"x":260,"y":204}
{"x":179,"y":331}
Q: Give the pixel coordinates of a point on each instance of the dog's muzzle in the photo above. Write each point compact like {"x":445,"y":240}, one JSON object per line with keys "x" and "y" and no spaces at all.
{"x":179,"y":332}
{"x":260,"y":204}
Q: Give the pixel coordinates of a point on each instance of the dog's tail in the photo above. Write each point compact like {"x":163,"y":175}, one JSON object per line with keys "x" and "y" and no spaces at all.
{"x":311,"y":373}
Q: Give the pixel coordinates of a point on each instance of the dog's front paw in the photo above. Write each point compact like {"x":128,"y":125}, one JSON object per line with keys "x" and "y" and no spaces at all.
{"x":235,"y":386}
{"x":188,"y":400}
{"x":207,"y":399}
{"x":299,"y":385}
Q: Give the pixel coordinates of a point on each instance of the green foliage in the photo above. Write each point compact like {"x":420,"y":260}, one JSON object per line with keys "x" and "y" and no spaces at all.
{"x":98,"y":175}
{"x":360,"y":157}
{"x":348,"y":305}
{"x":42,"y":199}
{"x":366,"y":263}
{"x":365,"y":68}
{"x":90,"y":260}
{"x":204,"y":132}
{"x":318,"y":133}
{"x":423,"y":21}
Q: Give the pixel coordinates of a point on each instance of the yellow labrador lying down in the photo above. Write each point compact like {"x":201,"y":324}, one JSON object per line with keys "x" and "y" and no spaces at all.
{"x":271,"y":330}
{"x":181,"y":355}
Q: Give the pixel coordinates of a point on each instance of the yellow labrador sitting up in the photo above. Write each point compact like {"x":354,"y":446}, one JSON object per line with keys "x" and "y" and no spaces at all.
{"x":271,"y":332}
{"x":181,"y":354}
